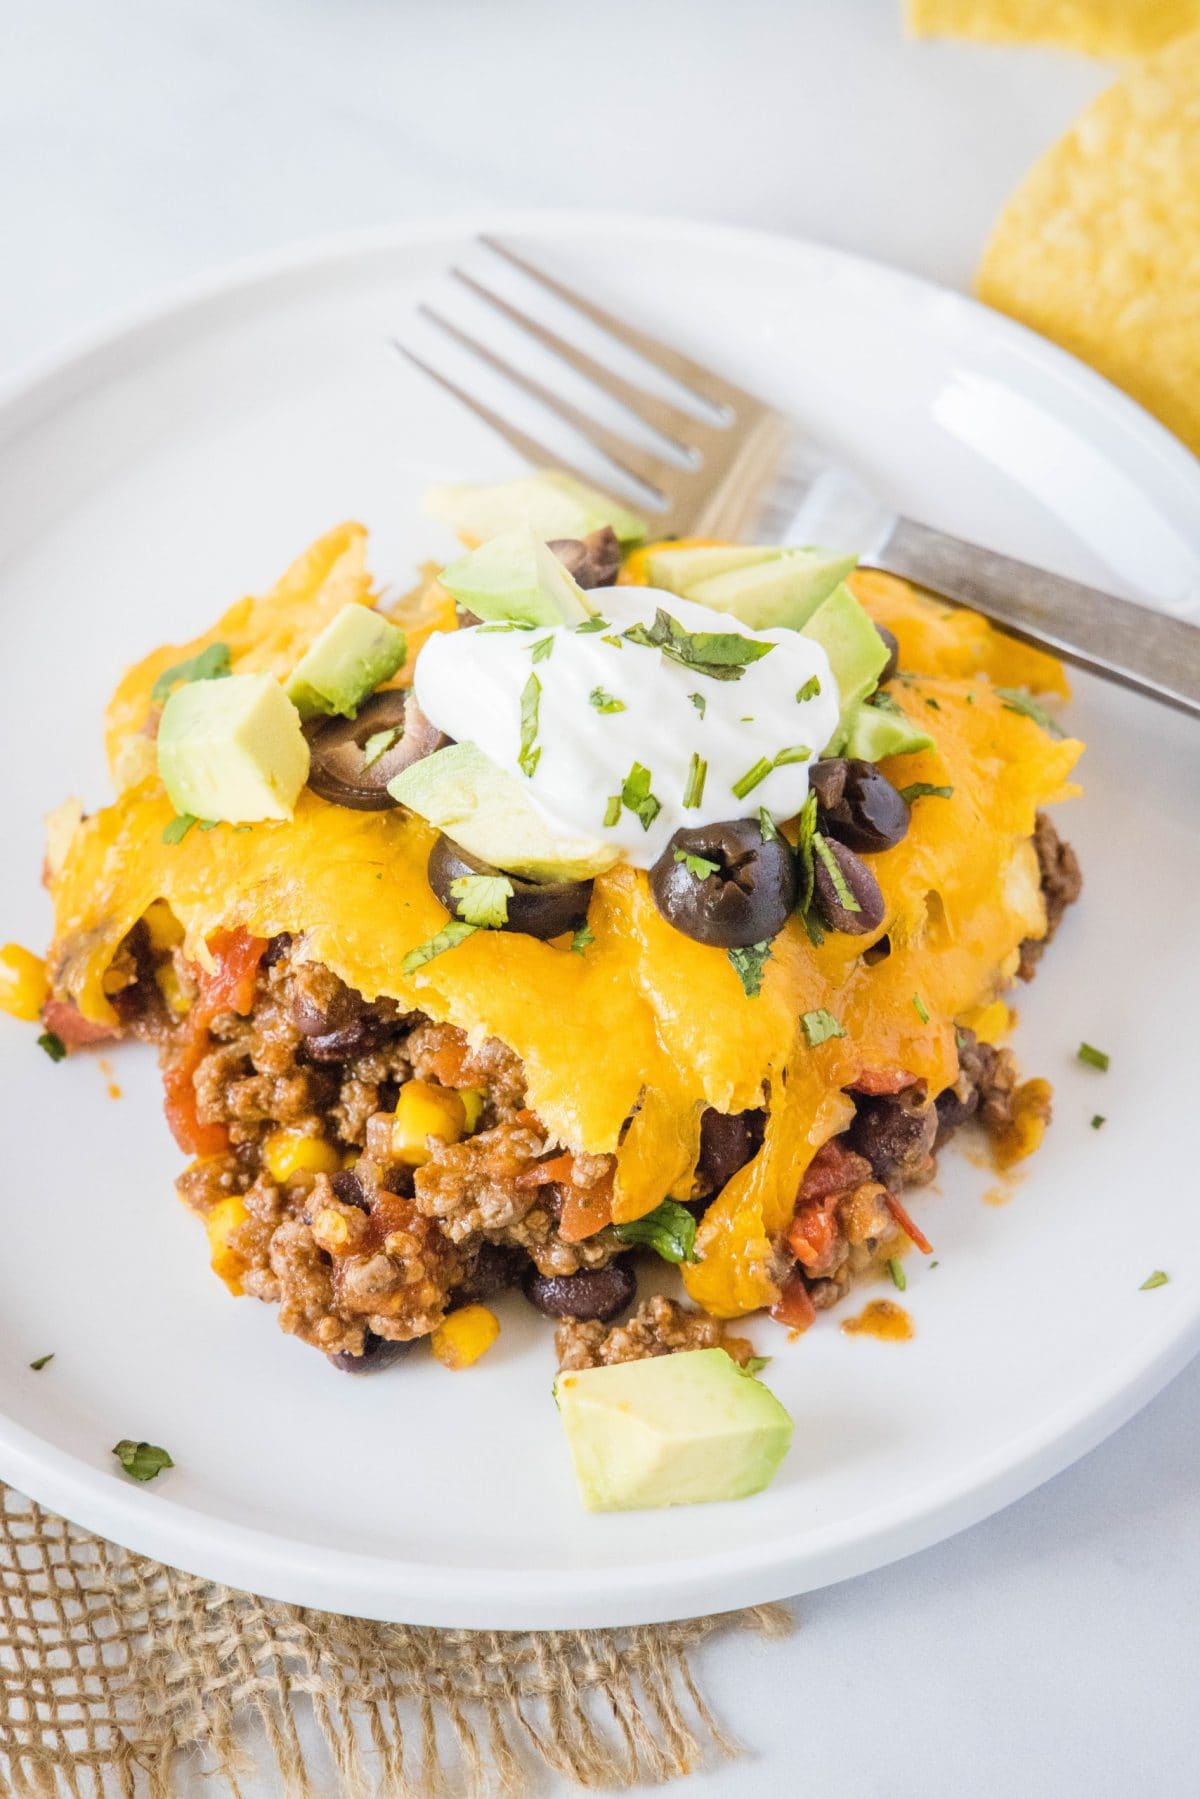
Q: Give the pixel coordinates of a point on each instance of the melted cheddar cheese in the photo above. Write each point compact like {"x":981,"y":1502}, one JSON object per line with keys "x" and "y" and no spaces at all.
{"x":625,"y":1045}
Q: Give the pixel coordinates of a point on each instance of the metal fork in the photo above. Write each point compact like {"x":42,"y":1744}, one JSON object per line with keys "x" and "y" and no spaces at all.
{"x":745,"y":469}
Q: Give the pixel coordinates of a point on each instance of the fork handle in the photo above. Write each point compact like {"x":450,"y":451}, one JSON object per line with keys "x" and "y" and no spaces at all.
{"x":1149,"y":651}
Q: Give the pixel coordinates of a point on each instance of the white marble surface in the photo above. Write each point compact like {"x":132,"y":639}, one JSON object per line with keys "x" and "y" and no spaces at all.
{"x":1055,"y":1649}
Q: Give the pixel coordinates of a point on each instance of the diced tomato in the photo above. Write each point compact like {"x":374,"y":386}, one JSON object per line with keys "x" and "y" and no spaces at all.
{"x":230,"y":986}
{"x":558,"y":1168}
{"x":585,"y":1210}
{"x":794,"y":1307}
{"x":882,"y":1080}
{"x":913,"y":1231}
{"x":76,"y":1031}
{"x":834,"y":1169}
{"x":813,"y":1233}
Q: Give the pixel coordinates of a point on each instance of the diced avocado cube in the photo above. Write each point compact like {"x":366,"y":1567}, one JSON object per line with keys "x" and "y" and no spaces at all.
{"x":873,"y":733}
{"x":488,"y":813}
{"x":516,"y":576}
{"x":342,"y":667}
{"x":232,"y":749}
{"x":673,"y":1430}
{"x":785,"y":591}
{"x":857,"y":653}
{"x":552,"y":503}
{"x":680,"y":570}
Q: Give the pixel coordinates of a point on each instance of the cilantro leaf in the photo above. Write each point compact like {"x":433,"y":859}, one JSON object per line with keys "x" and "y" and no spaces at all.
{"x":41,"y":1362}
{"x":542,"y":648}
{"x":669,"y":1230}
{"x":141,"y":1460}
{"x":1019,"y":699}
{"x":699,"y":702}
{"x":810,"y":690}
{"x":581,"y":938}
{"x":603,"y":701}
{"x":482,"y":900}
{"x":721,"y":655}
{"x":591,"y":624}
{"x":1157,"y":1279}
{"x":700,"y":866}
{"x":833,"y":869}
{"x":211,"y":664}
{"x":920,"y":1008}
{"x":756,"y":1364}
{"x":748,"y":964}
{"x":1095,"y":1058}
{"x":457,"y":931}
{"x":820,"y":1026}
{"x":53,"y":1045}
{"x":636,"y":795}
{"x":529,"y":757}
{"x":804,"y":853}
{"x":697,"y":774}
{"x":612,"y":810}
{"x":924,"y":790}
{"x":896,"y":1270}
{"x":1098,"y":1121}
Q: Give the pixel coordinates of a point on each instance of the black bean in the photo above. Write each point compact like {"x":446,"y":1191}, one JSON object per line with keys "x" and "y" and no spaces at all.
{"x":592,"y":1293}
{"x":855,"y":879}
{"x":893,"y":650}
{"x":378,"y":1352}
{"x":497,"y":1266}
{"x":896,"y":1133}
{"x":349,"y":1189}
{"x":728,"y":1140}
{"x":357,"y":1038}
{"x":859,"y":806}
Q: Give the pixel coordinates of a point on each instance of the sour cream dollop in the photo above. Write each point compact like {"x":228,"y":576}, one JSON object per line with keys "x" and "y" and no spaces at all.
{"x":603,"y":706}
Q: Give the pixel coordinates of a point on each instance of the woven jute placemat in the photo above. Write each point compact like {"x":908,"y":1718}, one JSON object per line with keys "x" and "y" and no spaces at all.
{"x":114,"y":1668}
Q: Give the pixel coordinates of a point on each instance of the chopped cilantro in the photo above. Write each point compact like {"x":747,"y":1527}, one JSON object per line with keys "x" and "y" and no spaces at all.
{"x":1157,"y":1279}
{"x":697,"y":774}
{"x":482,"y":900}
{"x":602,"y":701}
{"x":636,"y":794}
{"x":1095,"y":1058}
{"x":590,"y":625}
{"x":820,"y":1026}
{"x":882,"y":701}
{"x":211,"y":664}
{"x":721,"y":655}
{"x":750,"y":780}
{"x":41,"y":1362}
{"x":53,"y":1045}
{"x":766,"y":825}
{"x":816,"y":935}
{"x":141,"y":1460}
{"x":1098,"y":1121}
{"x":669,"y":1230}
{"x":755,"y":1364}
{"x":896,"y":1270}
{"x":833,"y":869}
{"x":920,"y":1008}
{"x":1019,"y":699}
{"x":699,"y":702}
{"x":581,"y":938}
{"x":804,"y":853}
{"x":612,"y":638}
{"x":810,"y":690}
{"x":178,"y":828}
{"x":508,"y":624}
{"x":612,"y":810}
{"x":529,"y":757}
{"x":378,"y":745}
{"x":700,"y":866}
{"x":457,"y":931}
{"x":924,"y":790}
{"x":935,"y":704}
{"x":748,"y":964}
{"x":542,"y":648}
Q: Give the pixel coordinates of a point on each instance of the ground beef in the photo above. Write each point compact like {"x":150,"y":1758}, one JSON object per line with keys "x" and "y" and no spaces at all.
{"x":440,"y":1052}
{"x":1062,"y":883}
{"x":987,"y":1079}
{"x":658,"y":1327}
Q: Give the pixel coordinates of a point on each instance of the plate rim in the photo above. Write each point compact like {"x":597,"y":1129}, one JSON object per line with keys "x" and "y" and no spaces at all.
{"x":386,"y":1587}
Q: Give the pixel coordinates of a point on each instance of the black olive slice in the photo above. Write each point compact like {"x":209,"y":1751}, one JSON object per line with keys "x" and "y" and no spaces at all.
{"x":859,"y":806}
{"x":851,"y":901}
{"x":592,"y":561}
{"x":339,"y":770}
{"x":535,"y":908}
{"x":745,"y":898}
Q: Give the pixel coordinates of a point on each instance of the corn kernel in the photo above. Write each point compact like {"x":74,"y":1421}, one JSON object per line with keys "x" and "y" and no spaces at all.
{"x":171,"y":987}
{"x":989,"y":1023}
{"x":220,"y":1224}
{"x":426,"y":1116}
{"x":164,"y":929}
{"x":351,"y":1157}
{"x":288,"y":1154}
{"x":24,"y":983}
{"x":474,"y":1099}
{"x":463,"y":1336}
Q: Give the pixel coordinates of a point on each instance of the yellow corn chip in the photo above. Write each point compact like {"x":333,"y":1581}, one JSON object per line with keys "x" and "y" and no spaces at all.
{"x":1099,"y":248}
{"x":1098,"y":27}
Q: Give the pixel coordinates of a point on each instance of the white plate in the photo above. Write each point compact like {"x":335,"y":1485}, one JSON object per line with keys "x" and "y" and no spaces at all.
{"x":150,"y":479}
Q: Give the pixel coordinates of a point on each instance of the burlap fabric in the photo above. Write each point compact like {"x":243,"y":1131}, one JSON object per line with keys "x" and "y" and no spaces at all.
{"x":113,"y":1668}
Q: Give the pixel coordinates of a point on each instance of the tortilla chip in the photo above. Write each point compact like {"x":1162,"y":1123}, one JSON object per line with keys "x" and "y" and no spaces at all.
{"x":1099,"y":248}
{"x":1097,"y":27}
